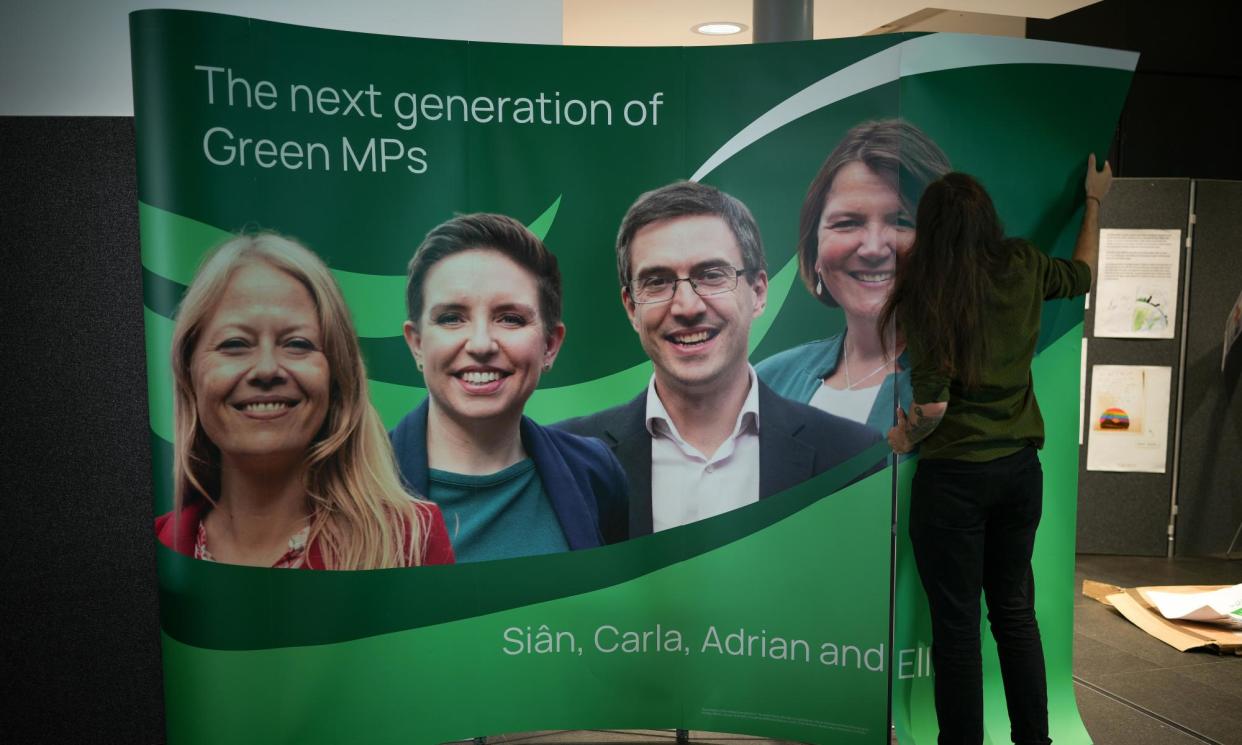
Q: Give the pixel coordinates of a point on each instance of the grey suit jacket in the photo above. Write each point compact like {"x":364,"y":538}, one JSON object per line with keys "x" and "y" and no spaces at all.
{"x":796,"y":442}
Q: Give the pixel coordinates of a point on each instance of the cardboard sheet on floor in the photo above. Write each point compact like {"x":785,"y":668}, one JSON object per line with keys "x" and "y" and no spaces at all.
{"x":1181,"y":635}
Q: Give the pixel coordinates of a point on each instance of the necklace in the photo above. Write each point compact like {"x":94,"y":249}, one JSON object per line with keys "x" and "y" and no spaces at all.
{"x":845,"y":354}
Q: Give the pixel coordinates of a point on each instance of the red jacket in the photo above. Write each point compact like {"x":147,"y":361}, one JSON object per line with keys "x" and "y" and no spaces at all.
{"x":180,"y":534}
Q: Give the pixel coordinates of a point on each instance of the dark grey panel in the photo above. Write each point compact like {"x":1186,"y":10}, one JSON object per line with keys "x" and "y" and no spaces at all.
{"x":1210,"y":476}
{"x":1128,"y":513}
{"x":1173,"y":123}
{"x":80,"y":617}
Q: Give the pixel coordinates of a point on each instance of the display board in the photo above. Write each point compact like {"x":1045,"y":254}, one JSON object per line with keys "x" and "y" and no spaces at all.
{"x":772,"y":619}
{"x":1128,"y":513}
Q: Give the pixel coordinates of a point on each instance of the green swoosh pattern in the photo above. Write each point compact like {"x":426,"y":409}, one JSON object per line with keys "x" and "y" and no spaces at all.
{"x":380,"y":685}
{"x":212,"y":605}
{"x":173,"y":247}
{"x":247,"y":680}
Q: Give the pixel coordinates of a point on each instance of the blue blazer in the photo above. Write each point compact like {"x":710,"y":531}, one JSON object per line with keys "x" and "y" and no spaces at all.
{"x":584,"y":482}
{"x":798,"y":372}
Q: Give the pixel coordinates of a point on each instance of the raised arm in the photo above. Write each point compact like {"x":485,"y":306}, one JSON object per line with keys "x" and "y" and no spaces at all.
{"x":1096,"y":184}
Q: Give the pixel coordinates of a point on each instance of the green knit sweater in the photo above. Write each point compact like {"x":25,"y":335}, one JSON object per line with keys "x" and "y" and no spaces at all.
{"x":1001,"y":416}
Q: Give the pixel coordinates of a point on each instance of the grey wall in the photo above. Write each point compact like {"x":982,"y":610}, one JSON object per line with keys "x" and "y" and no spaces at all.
{"x":80,"y":616}
{"x":1210,"y":478}
{"x":71,"y":57}
{"x":1129,"y":513}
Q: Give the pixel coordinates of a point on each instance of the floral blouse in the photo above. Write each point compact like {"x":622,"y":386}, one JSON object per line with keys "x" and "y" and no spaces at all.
{"x":291,"y":559}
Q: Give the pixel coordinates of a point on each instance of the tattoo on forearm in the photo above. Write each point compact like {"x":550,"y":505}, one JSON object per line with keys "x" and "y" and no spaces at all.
{"x":924,"y":425}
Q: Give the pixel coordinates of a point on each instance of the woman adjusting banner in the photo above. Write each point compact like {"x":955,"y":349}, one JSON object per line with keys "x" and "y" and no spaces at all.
{"x":969,"y":301}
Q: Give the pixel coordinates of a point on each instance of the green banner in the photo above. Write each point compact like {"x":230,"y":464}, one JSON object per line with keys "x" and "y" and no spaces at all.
{"x":771,"y":619}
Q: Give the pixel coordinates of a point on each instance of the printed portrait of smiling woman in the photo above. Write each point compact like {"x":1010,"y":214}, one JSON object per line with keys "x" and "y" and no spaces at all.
{"x":280,"y":459}
{"x":484,"y":301}
{"x":856,"y":222}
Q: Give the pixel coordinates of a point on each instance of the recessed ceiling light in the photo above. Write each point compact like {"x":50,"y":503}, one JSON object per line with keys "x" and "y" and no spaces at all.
{"x":719,"y":28}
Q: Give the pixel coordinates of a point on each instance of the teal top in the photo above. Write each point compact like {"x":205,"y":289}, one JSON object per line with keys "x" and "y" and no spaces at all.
{"x":798,"y":372}
{"x":497,"y":516}
{"x":1001,"y":416}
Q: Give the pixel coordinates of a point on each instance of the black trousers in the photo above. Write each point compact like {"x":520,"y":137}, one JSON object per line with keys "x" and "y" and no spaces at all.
{"x":972,"y":526}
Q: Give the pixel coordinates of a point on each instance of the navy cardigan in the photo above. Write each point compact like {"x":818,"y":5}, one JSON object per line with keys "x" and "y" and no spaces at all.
{"x":582,"y":478}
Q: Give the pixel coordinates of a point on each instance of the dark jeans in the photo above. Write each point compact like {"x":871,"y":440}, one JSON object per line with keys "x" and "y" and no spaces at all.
{"x":973,"y":528}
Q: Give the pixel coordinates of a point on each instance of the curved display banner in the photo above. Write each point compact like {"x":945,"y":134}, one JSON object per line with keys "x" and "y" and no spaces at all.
{"x":633,"y":564}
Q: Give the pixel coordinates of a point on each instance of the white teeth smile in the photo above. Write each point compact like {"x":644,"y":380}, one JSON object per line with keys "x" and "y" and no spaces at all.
{"x":480,"y":377}
{"x":695,"y":338}
{"x":872,"y":276}
{"x":267,"y":406}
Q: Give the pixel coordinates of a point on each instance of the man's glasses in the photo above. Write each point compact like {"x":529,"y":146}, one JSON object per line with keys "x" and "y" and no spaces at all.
{"x":708,"y":281}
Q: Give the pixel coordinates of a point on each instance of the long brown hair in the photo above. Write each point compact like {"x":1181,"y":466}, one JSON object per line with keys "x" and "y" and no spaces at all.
{"x":361,"y":515}
{"x":945,"y":281}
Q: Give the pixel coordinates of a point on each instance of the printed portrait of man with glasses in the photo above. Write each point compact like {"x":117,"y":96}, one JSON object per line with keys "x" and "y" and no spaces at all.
{"x":706,"y":436}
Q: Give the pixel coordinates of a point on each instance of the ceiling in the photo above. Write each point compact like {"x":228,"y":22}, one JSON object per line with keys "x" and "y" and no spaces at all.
{"x":669,"y":22}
